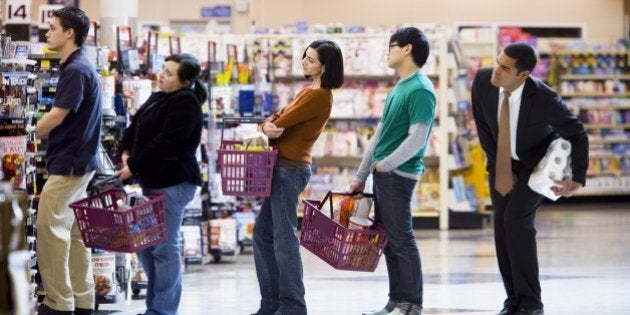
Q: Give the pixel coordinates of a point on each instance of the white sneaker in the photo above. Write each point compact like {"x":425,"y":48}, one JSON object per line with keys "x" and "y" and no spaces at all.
{"x":406,"y":309}
{"x":386,"y":310}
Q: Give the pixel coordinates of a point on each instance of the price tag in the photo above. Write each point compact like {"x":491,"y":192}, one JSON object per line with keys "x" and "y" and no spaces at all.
{"x":45,"y":63}
{"x":18,"y":12}
{"x":46,"y":14}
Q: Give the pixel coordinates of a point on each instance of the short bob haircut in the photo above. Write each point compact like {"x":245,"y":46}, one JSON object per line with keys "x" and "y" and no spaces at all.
{"x":418,"y":40}
{"x":524,"y":55}
{"x":330,"y":56}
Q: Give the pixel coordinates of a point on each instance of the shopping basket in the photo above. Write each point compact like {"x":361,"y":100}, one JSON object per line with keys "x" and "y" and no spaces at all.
{"x":103,"y":225}
{"x":245,"y":173}
{"x":341,"y":247}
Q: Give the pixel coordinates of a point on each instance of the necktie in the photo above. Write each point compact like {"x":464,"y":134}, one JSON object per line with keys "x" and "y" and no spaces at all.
{"x":503,"y":177}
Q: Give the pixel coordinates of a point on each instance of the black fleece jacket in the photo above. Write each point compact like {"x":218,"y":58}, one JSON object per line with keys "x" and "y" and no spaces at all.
{"x":163,"y":138}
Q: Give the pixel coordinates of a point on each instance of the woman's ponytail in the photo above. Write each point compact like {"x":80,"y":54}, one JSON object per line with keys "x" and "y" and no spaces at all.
{"x":200,"y":91}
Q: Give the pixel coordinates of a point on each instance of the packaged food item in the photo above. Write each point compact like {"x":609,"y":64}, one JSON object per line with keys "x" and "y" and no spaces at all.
{"x":104,"y":268}
{"x":256,"y":139}
{"x":359,"y":223}
{"x":362,"y":207}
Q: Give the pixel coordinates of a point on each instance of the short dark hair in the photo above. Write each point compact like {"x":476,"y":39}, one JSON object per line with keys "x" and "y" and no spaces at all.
{"x":418,"y":40}
{"x":524,"y":55}
{"x":331,"y":57}
{"x":189,"y":72}
{"x":76,"y":19}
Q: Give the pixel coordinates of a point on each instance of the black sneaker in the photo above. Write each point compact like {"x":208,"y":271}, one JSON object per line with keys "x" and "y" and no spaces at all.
{"x":44,"y":309}
{"x":83,"y":311}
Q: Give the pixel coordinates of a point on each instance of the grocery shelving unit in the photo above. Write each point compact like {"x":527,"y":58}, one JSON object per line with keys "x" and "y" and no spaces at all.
{"x":595,"y":83}
{"x":277,"y":55}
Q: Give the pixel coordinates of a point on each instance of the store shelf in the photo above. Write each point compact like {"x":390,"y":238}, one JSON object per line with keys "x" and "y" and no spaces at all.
{"x":595,"y":95}
{"x":354,"y":161}
{"x":601,"y":107}
{"x":425,"y":214}
{"x":611,"y":173}
{"x":609,"y":141}
{"x":607,"y":126}
{"x":343,"y":161}
{"x":611,"y":192}
{"x":592,"y":52}
{"x":596,"y":77}
{"x":608,"y":155}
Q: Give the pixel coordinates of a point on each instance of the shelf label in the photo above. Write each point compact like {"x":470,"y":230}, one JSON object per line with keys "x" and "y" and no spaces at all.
{"x":46,"y":14}
{"x":18,"y":12}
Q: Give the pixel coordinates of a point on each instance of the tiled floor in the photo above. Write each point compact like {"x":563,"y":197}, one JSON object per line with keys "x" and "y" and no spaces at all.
{"x":584,"y":253}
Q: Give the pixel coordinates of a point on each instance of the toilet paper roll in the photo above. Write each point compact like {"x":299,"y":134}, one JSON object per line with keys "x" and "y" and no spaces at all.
{"x":555,"y":165}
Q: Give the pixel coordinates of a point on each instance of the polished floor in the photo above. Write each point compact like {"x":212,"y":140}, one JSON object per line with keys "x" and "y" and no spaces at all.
{"x":584,"y":253}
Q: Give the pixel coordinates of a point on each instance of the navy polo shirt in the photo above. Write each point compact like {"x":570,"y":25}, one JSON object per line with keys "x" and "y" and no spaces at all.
{"x":72,"y":146}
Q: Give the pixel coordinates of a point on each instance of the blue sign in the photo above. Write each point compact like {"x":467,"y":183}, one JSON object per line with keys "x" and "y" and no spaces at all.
{"x":217,"y":11}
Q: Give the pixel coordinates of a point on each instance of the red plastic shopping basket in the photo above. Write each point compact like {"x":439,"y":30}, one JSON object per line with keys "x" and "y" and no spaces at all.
{"x":341,"y":247}
{"x":104,"y":226}
{"x":245,"y":173}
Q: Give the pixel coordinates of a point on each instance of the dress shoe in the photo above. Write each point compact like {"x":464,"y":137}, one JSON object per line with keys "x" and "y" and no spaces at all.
{"x":524,"y":311}
{"x":44,"y":309}
{"x":508,"y":310}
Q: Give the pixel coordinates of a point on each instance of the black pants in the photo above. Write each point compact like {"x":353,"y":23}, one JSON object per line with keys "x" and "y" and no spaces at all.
{"x":515,"y":241}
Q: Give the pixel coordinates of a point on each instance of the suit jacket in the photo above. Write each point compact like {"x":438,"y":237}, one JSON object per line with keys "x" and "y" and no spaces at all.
{"x":543,"y":117}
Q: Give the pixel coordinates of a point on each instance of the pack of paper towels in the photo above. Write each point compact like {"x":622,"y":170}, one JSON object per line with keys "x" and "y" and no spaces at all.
{"x":555,"y":165}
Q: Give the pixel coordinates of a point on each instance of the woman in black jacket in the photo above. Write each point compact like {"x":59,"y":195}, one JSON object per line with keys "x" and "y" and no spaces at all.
{"x":158,"y":148}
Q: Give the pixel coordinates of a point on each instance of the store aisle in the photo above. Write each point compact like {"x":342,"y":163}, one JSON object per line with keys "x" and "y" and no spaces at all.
{"x":583,"y":249}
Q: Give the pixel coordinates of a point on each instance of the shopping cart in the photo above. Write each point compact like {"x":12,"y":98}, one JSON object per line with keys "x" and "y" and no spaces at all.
{"x":341,"y":247}
{"x":104,"y":225}
{"x":243,"y":172}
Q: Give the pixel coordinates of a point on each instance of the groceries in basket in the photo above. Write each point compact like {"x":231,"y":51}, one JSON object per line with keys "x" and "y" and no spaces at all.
{"x":246,"y":166}
{"x":256,"y":141}
{"x":119,"y":221}
{"x":351,"y":206}
{"x":357,"y":246}
{"x":131,"y":197}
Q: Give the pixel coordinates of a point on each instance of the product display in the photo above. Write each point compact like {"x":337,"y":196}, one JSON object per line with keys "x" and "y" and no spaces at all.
{"x":594,"y":83}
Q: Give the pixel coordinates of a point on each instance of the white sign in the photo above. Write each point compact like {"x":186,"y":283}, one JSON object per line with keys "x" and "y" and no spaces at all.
{"x":17,"y":12}
{"x":46,"y":14}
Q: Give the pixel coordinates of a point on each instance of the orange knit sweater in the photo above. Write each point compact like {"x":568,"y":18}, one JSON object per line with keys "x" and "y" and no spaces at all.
{"x":303,"y":120}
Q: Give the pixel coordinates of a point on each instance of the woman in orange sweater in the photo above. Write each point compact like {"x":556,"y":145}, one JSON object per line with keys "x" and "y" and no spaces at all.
{"x":296,"y":127}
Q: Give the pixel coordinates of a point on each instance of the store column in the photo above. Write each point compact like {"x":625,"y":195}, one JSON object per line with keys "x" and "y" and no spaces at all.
{"x":116,"y":13}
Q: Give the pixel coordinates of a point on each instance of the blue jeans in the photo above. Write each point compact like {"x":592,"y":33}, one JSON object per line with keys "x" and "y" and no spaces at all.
{"x":393,"y":211}
{"x":163,"y":262}
{"x":276,"y":246}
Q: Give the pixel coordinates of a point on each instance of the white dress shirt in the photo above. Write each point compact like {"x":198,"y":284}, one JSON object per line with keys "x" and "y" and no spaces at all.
{"x":515,"y":107}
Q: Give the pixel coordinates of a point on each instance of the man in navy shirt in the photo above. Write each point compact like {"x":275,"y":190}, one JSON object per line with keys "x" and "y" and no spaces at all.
{"x":73,"y":129}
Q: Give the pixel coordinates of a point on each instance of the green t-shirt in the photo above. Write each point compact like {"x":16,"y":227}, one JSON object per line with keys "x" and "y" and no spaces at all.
{"x":411,"y":101}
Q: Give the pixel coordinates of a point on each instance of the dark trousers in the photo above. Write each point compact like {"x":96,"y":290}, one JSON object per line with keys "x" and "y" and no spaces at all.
{"x":515,"y":241}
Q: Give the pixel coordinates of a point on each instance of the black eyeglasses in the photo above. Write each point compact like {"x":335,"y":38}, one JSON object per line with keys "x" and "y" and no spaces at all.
{"x":394,"y":45}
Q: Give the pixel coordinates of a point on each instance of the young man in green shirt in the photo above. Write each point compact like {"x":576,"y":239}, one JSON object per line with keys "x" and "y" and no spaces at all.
{"x":394,"y":157}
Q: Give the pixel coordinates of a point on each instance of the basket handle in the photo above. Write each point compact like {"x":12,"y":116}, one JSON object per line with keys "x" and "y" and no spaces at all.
{"x":340,"y":193}
{"x":238,"y":121}
{"x":95,"y":189}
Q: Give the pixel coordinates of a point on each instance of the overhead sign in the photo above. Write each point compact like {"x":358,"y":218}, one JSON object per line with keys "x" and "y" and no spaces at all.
{"x":18,"y":12}
{"x":217,"y":11}
{"x":46,"y":14}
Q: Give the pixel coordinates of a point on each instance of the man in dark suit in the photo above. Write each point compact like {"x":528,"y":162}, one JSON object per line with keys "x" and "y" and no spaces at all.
{"x":517,"y":117}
